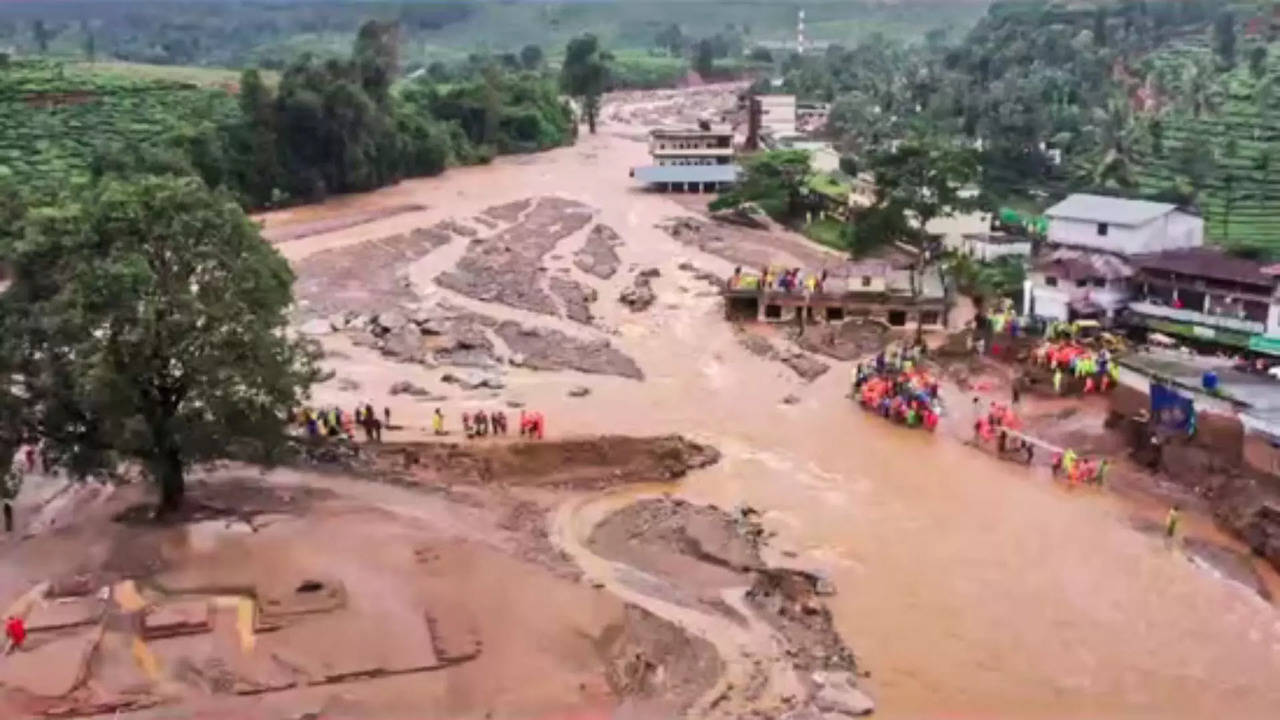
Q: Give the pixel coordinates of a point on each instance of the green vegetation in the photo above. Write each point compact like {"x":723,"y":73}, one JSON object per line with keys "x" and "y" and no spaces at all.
{"x":777,"y":181}
{"x":827,"y":231}
{"x":321,"y":127}
{"x":242,"y":33}
{"x":145,"y":322}
{"x":585,"y":75}
{"x":1173,"y":100}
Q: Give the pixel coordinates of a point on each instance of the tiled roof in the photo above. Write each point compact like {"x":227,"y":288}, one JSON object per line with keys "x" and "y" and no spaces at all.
{"x":1205,"y":263}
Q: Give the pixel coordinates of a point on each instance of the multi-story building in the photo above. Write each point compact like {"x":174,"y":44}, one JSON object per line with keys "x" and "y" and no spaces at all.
{"x":684,"y":160}
{"x":1204,"y":294}
{"x":1091,"y":240}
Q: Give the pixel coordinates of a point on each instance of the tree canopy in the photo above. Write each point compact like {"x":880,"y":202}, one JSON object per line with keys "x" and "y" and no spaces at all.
{"x":585,"y":74}
{"x":146,"y":321}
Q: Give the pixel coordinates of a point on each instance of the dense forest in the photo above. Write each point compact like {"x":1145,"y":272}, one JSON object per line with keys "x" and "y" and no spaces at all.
{"x":270,"y":34}
{"x":1172,"y":100}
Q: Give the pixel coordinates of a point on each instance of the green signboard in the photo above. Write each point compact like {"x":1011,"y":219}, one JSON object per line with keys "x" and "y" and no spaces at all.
{"x":1264,"y":344}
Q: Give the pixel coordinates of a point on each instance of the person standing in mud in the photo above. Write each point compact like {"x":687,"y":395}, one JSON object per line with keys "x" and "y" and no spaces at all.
{"x":482,"y":424}
{"x":386,"y":417}
{"x":437,"y":422}
{"x":8,"y":515}
{"x":499,"y":421}
{"x":1171,"y":523}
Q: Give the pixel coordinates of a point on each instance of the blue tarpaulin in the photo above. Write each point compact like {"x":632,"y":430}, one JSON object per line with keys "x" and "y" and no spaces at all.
{"x":1170,"y":409}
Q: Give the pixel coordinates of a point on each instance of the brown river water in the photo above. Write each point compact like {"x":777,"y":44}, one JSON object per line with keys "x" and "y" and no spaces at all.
{"x":966,"y":586}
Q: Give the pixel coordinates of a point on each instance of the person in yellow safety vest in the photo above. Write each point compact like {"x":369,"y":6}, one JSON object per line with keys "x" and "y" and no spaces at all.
{"x":811,"y":283}
{"x":1171,"y":522}
{"x":1069,"y":460}
{"x":437,"y":422}
{"x":1057,"y":381}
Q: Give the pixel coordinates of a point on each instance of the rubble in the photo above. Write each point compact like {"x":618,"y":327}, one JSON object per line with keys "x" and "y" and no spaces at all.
{"x":579,"y":391}
{"x":473,"y":381}
{"x":404,"y":387}
{"x":364,"y":278}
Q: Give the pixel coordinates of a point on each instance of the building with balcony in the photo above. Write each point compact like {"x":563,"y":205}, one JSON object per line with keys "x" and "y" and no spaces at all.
{"x":690,"y":160}
{"x":1091,"y":240}
{"x":1069,"y":284}
{"x":1206,"y":295}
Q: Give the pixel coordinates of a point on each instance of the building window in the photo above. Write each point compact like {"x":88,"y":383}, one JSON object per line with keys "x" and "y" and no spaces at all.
{"x":1256,"y":311}
{"x":1082,"y":283}
{"x":1099,"y":283}
{"x":1191,"y":299}
{"x":1103,"y":228}
{"x":1050,"y":281}
{"x":929,"y":317}
{"x":866,"y":281}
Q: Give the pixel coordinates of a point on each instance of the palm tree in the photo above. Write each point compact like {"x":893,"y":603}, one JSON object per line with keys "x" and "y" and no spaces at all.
{"x":1114,"y":134}
{"x":1198,"y":88}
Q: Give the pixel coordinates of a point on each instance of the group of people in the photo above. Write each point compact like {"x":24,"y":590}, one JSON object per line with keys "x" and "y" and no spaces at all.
{"x":788,"y":280}
{"x":895,"y":388}
{"x":332,"y":422}
{"x":1000,"y":425}
{"x":1079,"y":470}
{"x":1091,"y":371}
{"x":477,"y":424}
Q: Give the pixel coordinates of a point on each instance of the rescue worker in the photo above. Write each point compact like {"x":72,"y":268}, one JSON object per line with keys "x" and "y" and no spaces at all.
{"x":437,"y":422}
{"x":1057,"y":381}
{"x":1171,"y":522}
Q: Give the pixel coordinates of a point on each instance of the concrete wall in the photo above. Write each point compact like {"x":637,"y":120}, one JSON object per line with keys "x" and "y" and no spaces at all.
{"x":1051,"y":302}
{"x":1168,"y":232}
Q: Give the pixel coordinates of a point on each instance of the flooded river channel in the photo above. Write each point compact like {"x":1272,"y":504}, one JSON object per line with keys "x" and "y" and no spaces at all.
{"x":965,"y":586}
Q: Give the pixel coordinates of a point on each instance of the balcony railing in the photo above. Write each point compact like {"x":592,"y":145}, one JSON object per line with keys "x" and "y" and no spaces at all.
{"x":1197,"y":318}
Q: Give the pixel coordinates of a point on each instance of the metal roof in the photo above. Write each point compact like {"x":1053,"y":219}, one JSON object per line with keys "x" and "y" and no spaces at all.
{"x":1111,"y":210}
{"x":687,"y":173}
{"x":1206,"y":263}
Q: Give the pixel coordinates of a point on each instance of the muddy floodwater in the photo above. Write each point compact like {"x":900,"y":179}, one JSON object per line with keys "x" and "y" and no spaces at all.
{"x":965,"y":586}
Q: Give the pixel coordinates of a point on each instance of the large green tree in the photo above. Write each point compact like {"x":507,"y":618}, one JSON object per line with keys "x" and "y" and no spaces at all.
{"x":146,"y":321}
{"x":585,"y":74}
{"x":777,"y":181}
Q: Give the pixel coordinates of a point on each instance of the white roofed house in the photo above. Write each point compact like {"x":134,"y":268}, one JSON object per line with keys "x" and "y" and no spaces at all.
{"x":1085,"y":268}
{"x":690,"y":160}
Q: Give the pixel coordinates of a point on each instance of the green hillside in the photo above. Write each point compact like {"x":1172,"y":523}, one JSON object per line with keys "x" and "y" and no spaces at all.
{"x":1230,"y":154}
{"x":54,"y":118}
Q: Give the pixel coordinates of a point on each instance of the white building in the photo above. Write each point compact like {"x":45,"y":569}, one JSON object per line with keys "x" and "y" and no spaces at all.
{"x":986,"y":247}
{"x":1122,"y":227}
{"x":1091,"y":240}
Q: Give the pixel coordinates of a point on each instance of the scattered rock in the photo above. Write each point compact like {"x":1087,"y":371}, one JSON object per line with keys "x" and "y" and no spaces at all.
{"x":640,"y":295}
{"x":474,"y":381}
{"x":404,"y":387}
{"x":498,"y":268}
{"x":844,"y":699}
{"x":515,"y":404}
{"x":348,"y":385}
{"x":792,"y":399}
{"x":391,"y":320}
{"x":338,"y":322}
{"x":806,"y":366}
{"x":579,"y":391}
{"x":650,"y":273}
{"x":597,"y":255}
{"x":546,"y":349}
{"x":576,"y":297}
